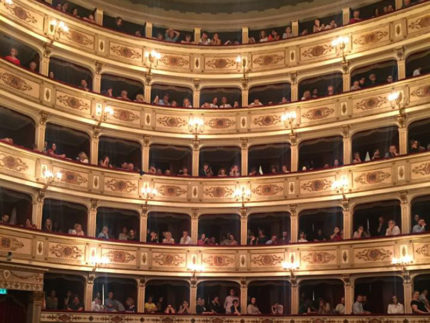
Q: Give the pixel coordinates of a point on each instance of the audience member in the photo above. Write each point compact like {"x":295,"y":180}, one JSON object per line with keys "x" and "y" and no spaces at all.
{"x":392,"y":229}
{"x":336,"y":235}
{"x":360,"y":233}
{"x":96,"y":304}
{"x":355,"y":17}
{"x":277,"y":309}
{"x":302,"y":237}
{"x":52,"y":152}
{"x":130,"y":306}
{"x":420,"y":226}
{"x":184,"y":308}
{"x":323,"y":307}
{"x":340,"y":308}
{"x":12,"y":57}
{"x":357,"y":307}
{"x":5,"y":219}
{"x":235,"y":308}
{"x":112,"y":304}
{"x":185,"y":239}
{"x":171,"y":35}
{"x":82,"y":158}
{"x":75,"y":305}
{"x":169,"y":309}
{"x":168,"y":239}
{"x":252,"y":308}
{"x":150,"y":306}
{"x":215,"y":306}
{"x":48,"y":226}
{"x":229,"y":300}
{"x":395,"y":307}
{"x":51,"y":301}
{"x":381,"y":230}
{"x":104,"y":234}
{"x":417,"y":306}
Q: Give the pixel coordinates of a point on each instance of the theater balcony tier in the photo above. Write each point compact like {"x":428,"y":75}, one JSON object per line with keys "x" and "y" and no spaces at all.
{"x":47,"y":100}
{"x":47,"y":317}
{"x":87,"y":43}
{"x":43,"y":250}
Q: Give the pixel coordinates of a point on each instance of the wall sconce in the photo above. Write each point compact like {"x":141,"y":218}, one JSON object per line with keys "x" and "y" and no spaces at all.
{"x":291,"y":267}
{"x":148,"y":193}
{"x":340,"y":44}
{"x":97,"y":261}
{"x":103,"y":112}
{"x":395,"y":99}
{"x":288,"y":118}
{"x":194,"y":268}
{"x":242,"y":194}
{"x":56,"y":28}
{"x":242,"y":62}
{"x":152,"y":58}
{"x":341,"y":186}
{"x":195,"y":125}
{"x":402,"y":262}
{"x":49,"y":178}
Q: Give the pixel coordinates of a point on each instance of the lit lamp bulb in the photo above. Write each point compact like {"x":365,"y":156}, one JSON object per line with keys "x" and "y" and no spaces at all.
{"x":340,"y":43}
{"x":242,"y":193}
{"x":290,"y":265}
{"x":47,"y":174}
{"x":393,"y":96}
{"x":149,"y":192}
{"x":340,"y":186}
{"x":196,"y":267}
{"x":404,"y":260}
{"x":195,"y":124}
{"x":289,"y":117}
{"x":9,"y":2}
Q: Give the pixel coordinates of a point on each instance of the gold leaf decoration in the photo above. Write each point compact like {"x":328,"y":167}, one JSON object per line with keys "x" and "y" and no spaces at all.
{"x":219,"y":191}
{"x":121,"y":185}
{"x":125,"y":115}
{"x":172,"y":122}
{"x":316,"y":185}
{"x":317,"y":51}
{"x":15,"y":82}
{"x":126,"y":52}
{"x":21,"y":13}
{"x":218,"y":260}
{"x":322,"y":257}
{"x":10,"y":244}
{"x":163,"y":259}
{"x":374,"y":254}
{"x":374,"y":177}
{"x":267,"y":260}
{"x":370,"y":38}
{"x":422,"y":169}
{"x":267,"y":121}
{"x":12,"y":163}
{"x":220,"y":63}
{"x":73,"y":178}
{"x":422,"y":22}
{"x":173,"y":60}
{"x":266,"y":60}
{"x":421,"y":92}
{"x":171,"y":190}
{"x":220,"y":123}
{"x":370,"y":103}
{"x":61,"y":251}
{"x":119,"y":256}
{"x":79,"y":38}
{"x":267,"y":189}
{"x":73,"y":102}
{"x":318,"y":113}
{"x":424,"y":250}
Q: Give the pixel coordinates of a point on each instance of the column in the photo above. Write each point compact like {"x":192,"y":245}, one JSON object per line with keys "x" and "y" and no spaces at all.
{"x":97,"y":82}
{"x":99,"y":16}
{"x":243,"y":227}
{"x":294,"y":157}
{"x":88,"y":293}
{"x":141,"y":285}
{"x":196,"y":158}
{"x":196,"y":93}
{"x":295,"y":27}
{"x":294,"y":296}
{"x":245,"y":97}
{"x":349,"y":294}
{"x":294,"y":219}
{"x":37,"y":210}
{"x":405,"y":210}
{"x":145,"y":153}
{"x":193,"y":295}
{"x":40,"y":131}
{"x":347,"y":221}
{"x":143,"y":224}
{"x":294,"y":88}
{"x":92,"y":219}
{"x":345,"y":16}
{"x":401,"y":68}
{"x":403,"y":138}
{"x":245,"y":35}
{"x":407,"y":293}
{"x":244,"y":156}
{"x":398,"y":4}
{"x":347,"y":146}
{"x":243,"y":295}
{"x":148,"y":29}
{"x":44,"y":63}
{"x":94,"y":147}
{"x":197,"y":34}
{"x":37,"y":303}
{"x":194,"y":225}
{"x":147,"y":92}
{"x":346,"y":78}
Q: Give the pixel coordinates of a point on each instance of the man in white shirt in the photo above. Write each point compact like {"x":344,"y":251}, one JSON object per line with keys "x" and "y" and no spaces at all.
{"x":395,"y":307}
{"x":420,"y":226}
{"x":228,"y":302}
{"x":357,"y":307}
{"x":185,"y":239}
{"x":340,"y":308}
{"x":393,"y":229}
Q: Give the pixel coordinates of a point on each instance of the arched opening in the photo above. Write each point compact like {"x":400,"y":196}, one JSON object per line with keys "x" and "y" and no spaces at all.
{"x":18,"y":53}
{"x":75,"y":10}
{"x":69,"y":143}
{"x":61,"y":289}
{"x":163,"y":227}
{"x":271,"y":228}
{"x":321,"y":86}
{"x":170,"y":160}
{"x":166,"y":294}
{"x":378,"y":292}
{"x":270,"y":159}
{"x":219,"y":229}
{"x":70,"y":73}
{"x":116,"y":294}
{"x":418,"y":63}
{"x":372,"y":219}
{"x":18,"y":206}
{"x":272,"y":296}
{"x":16,"y":128}
{"x":121,"y":88}
{"x":171,"y":95}
{"x":172,"y":35}
{"x":64,"y":217}
{"x":220,"y":98}
{"x":220,"y":161}
{"x":375,"y":144}
{"x":321,"y":153}
{"x":320,"y":24}
{"x":320,"y":296}
{"x":420,"y":218}
{"x":218,"y":38}
{"x":122,"y":154}
{"x":117,"y":224}
{"x":270,"y":94}
{"x":374,"y":75}
{"x":320,"y":225}
{"x":374,"y":10}
{"x":120,"y":25}
{"x":272,"y":34}
{"x":219,"y":295}
{"x":419,"y":136}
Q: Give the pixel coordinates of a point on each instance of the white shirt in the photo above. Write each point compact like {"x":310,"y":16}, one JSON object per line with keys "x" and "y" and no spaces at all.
{"x":213,"y":105}
{"x":416,"y":72}
{"x":225,"y":105}
{"x":253,"y":309}
{"x":395,"y":309}
{"x":229,"y":302}
{"x":185,"y":240}
{"x":340,"y":309}
{"x":393,"y":232}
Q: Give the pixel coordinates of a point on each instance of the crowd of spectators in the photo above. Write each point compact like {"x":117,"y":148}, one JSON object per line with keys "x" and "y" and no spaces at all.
{"x":260,"y":238}
{"x":206,"y":171}
{"x":70,"y":302}
{"x":126,"y":234}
